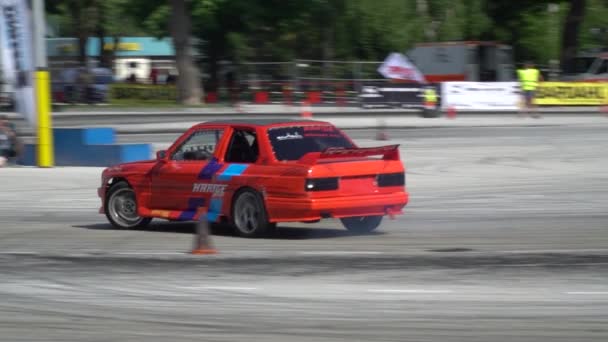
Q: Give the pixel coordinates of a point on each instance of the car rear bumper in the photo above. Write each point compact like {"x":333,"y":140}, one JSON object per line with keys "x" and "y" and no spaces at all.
{"x":281,"y":209}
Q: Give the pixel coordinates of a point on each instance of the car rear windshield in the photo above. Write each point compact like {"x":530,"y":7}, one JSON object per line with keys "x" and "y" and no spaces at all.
{"x":291,"y":143}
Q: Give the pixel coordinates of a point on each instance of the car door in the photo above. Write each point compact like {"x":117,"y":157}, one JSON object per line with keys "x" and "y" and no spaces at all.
{"x":242,"y":151}
{"x":181,"y":182}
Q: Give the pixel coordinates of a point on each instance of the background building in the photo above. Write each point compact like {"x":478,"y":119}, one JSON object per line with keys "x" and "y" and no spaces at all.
{"x":134,"y":56}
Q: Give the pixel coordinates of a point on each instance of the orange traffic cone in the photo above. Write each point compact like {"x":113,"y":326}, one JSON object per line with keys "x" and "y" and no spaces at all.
{"x":451,"y":114}
{"x":306,"y":112}
{"x":202,"y":239}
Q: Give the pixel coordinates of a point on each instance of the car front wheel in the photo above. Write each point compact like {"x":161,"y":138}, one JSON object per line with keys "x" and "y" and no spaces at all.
{"x":121,"y":207}
{"x":361,"y":224}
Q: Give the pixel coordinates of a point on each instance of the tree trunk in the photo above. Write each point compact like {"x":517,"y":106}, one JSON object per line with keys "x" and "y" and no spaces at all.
{"x":82,"y":34}
{"x":105,"y":56}
{"x":189,"y":89}
{"x":114,"y":52}
{"x":570,"y":34}
{"x":82,"y":49}
{"x":328,"y":56}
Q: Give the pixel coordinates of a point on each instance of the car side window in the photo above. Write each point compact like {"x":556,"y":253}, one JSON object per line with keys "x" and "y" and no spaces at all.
{"x":243,"y":147}
{"x":198,"y":146}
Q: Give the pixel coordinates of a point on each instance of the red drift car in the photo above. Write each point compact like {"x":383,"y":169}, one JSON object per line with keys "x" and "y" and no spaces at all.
{"x":254,"y":174}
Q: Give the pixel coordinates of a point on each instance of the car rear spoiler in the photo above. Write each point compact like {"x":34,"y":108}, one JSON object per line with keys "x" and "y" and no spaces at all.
{"x":388,"y":152}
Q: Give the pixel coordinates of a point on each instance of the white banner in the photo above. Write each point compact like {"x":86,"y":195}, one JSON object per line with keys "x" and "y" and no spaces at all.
{"x":17,"y":57}
{"x":397,"y":66}
{"x":494,"y":96}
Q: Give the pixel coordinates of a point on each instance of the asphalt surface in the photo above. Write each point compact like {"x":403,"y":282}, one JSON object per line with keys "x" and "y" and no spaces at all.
{"x":505,"y":239}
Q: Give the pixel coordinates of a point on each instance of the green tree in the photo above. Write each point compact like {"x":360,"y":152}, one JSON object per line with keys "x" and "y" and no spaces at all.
{"x":540,"y":34}
{"x":477,"y":22}
{"x":571,"y":32}
{"x":453,"y":18}
{"x":188,"y":81}
{"x":88,"y":18}
{"x":72,"y":16}
{"x":277,"y":30}
{"x":594,"y":29}
{"x":174,"y":17}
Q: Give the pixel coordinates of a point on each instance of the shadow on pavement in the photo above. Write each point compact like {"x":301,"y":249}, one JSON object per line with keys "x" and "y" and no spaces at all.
{"x":155,"y":227}
{"x":298,"y":233}
{"x":282,"y":232}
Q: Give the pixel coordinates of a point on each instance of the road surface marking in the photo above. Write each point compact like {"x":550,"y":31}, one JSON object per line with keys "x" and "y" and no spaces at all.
{"x":221,"y":288}
{"x":407,"y":291}
{"x":591,"y":293}
{"x":19,"y":253}
{"x":544,"y":264}
{"x":149,"y":253}
{"x":340,"y":253}
{"x":524,"y":251}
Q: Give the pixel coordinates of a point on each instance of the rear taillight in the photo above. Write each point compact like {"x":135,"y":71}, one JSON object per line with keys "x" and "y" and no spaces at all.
{"x":391,"y":179}
{"x":321,"y":184}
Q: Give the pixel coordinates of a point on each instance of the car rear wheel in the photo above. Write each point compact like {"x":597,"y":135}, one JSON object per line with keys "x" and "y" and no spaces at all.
{"x":121,"y":207}
{"x":361,"y":224}
{"x":249,"y":215}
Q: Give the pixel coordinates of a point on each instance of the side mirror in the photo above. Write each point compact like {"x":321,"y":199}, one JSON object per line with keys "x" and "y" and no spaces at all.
{"x":161,"y":155}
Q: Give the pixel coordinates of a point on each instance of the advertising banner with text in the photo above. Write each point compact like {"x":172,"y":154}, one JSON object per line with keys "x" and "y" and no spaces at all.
{"x":572,"y":94}
{"x":490,"y":96}
{"x":17,"y":58}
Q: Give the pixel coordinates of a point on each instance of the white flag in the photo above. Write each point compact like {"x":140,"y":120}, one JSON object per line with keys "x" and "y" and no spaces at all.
{"x":397,"y":66}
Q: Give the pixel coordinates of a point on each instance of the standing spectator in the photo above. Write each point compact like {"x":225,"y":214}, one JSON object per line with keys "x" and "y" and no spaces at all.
{"x":10,"y":146}
{"x":85,"y":81}
{"x":132,"y":78}
{"x":69,"y":78}
{"x":171,"y":78}
{"x":154,"y":76}
{"x":529,"y":77}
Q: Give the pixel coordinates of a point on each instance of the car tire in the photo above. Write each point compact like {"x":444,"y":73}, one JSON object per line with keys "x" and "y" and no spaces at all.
{"x":249,"y":216}
{"x":361,"y":224}
{"x":121,"y":207}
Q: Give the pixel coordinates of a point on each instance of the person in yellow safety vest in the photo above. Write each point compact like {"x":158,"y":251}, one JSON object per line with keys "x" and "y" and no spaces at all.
{"x":529,"y":77}
{"x":430,"y":97}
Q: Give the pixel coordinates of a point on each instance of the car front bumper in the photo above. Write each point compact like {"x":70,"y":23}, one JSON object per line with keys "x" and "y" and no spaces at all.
{"x":101,"y":192}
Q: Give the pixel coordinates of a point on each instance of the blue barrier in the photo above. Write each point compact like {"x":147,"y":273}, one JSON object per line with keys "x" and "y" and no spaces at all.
{"x":89,"y":147}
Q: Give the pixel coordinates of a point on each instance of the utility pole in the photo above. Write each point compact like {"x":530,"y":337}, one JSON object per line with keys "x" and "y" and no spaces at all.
{"x":39,"y":31}
{"x":42,"y":82}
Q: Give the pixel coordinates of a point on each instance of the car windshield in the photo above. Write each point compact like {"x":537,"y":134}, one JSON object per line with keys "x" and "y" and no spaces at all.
{"x":580,"y":65}
{"x":291,"y":143}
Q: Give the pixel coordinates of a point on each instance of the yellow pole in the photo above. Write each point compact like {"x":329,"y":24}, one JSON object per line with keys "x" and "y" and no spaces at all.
{"x":44,"y":146}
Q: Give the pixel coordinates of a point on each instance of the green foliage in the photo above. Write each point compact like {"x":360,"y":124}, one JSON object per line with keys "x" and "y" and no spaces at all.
{"x":477,"y":20}
{"x":63,"y":15}
{"x":594,"y":31}
{"x":540,"y":35}
{"x":142,"y":92}
{"x":282,"y":30}
{"x":453,"y":19}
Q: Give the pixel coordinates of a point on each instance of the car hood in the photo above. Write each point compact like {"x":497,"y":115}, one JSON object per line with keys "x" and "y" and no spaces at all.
{"x":130,"y":168}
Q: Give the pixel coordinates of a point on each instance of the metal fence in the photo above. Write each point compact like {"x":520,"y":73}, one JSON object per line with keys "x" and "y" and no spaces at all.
{"x":292,"y":82}
{"x":317,"y":81}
